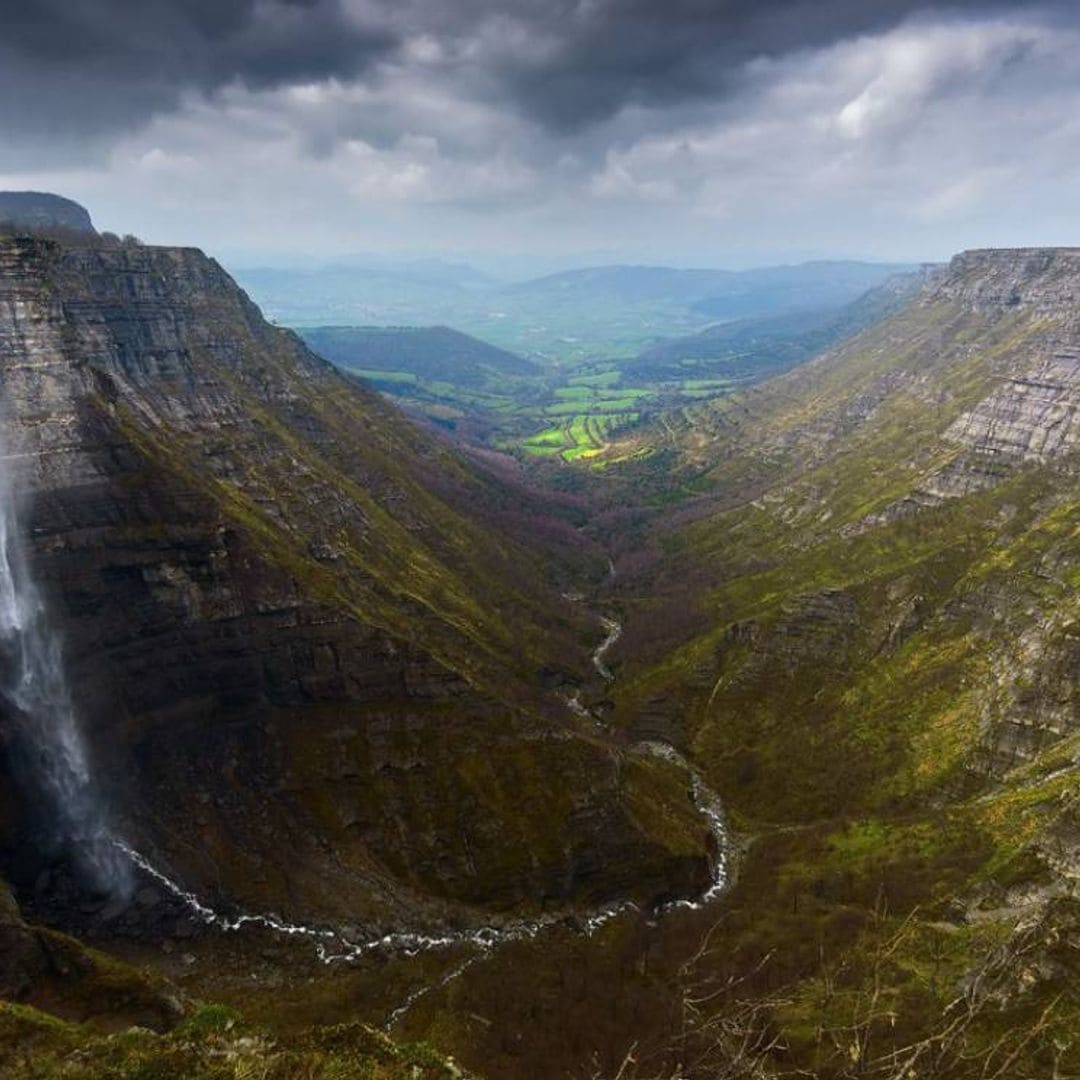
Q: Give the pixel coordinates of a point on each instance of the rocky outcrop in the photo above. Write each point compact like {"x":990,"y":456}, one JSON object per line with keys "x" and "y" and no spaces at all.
{"x":37,"y":210}
{"x":1040,"y":280}
{"x":1031,"y":416}
{"x":1017,"y":338}
{"x":1029,"y":702}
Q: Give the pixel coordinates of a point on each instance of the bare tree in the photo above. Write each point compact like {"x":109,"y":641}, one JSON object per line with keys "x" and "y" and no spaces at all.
{"x":727,"y":1033}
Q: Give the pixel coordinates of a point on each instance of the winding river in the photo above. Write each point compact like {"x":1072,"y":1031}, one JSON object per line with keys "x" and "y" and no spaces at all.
{"x":333,"y":947}
{"x":614,"y":632}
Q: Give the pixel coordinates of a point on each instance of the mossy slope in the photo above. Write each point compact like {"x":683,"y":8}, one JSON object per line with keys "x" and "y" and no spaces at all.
{"x":861,"y":621}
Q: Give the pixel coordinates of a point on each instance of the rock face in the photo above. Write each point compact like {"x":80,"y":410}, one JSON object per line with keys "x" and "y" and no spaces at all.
{"x":898,"y":513}
{"x":1014,"y":366}
{"x":1032,"y":416}
{"x":40,"y":210}
{"x":1044,"y":280}
{"x":865,"y":622}
{"x":22,"y":959}
{"x":309,"y":680}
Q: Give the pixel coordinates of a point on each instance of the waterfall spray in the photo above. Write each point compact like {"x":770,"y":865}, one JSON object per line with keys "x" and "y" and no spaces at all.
{"x":36,"y":701}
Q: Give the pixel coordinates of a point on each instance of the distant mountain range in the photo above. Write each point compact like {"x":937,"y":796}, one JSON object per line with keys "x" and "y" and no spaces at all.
{"x":752,"y":348}
{"x":578,"y":315}
{"x":719,"y":294}
{"x":489,"y":395}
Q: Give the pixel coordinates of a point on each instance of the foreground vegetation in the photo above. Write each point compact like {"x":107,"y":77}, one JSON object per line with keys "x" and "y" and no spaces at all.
{"x":213,"y":1043}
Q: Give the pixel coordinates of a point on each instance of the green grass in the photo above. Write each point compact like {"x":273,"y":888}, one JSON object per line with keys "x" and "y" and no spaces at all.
{"x":212,"y":1045}
{"x":694,"y":385}
{"x":581,"y":436}
{"x":406,"y":378}
{"x":538,"y":415}
{"x":575,"y":393}
{"x":603,"y":379}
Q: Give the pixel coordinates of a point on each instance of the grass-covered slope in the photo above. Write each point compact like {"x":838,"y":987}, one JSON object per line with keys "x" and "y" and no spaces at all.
{"x":458,"y":382}
{"x":862,"y":621}
{"x":857,"y":516}
{"x":212,"y":1043}
{"x":434,"y":354}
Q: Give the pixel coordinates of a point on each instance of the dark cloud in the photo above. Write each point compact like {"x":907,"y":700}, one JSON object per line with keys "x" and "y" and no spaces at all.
{"x":803,"y":126}
{"x":77,"y":73}
{"x":82,"y":66}
{"x":615,"y":53}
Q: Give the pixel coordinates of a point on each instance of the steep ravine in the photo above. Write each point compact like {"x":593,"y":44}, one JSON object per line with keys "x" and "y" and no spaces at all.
{"x":317,"y":679}
{"x":865,"y":634}
{"x":289,"y":628}
{"x":335,"y":946}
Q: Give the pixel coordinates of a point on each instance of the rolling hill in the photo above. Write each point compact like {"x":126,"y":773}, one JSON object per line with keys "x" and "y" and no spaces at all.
{"x":560,"y":319}
{"x":431,"y":354}
{"x":751,"y":349}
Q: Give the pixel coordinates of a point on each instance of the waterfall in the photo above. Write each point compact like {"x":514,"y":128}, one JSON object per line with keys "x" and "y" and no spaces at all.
{"x":35,"y":701}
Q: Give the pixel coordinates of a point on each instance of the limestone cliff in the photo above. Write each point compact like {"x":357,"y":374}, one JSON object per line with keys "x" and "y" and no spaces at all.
{"x":309,"y":678}
{"x":864,"y":625}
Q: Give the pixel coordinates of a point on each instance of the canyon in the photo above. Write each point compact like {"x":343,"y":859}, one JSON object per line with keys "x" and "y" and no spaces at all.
{"x":385,"y":741}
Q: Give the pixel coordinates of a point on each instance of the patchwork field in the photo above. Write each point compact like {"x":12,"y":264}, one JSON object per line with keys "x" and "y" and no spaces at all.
{"x":570,"y":406}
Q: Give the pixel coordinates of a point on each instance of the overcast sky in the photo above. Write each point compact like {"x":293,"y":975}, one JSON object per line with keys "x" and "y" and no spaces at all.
{"x":728,"y":132}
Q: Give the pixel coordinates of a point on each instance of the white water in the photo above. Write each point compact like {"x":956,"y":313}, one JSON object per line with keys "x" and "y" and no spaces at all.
{"x":34,"y":688}
{"x":708,"y":805}
{"x":49,"y":751}
{"x":614,"y":632}
{"x":333,"y":947}
{"x":423,"y":990}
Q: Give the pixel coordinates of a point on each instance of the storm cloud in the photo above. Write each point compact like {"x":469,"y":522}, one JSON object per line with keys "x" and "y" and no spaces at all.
{"x":83,"y":66}
{"x":793,"y":125}
{"x":567,"y":63}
